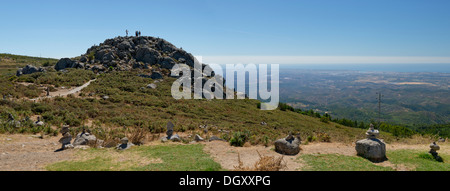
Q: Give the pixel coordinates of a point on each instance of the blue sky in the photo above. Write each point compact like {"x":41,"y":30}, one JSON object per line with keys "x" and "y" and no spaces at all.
{"x":234,"y":28}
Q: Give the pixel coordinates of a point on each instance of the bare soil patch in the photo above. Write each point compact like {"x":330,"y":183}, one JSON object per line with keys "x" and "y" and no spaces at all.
{"x":227,"y":156}
{"x":26,"y":153}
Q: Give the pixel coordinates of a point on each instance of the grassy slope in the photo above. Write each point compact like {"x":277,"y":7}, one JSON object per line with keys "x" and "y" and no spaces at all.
{"x":9,"y":63}
{"x":133,"y":105}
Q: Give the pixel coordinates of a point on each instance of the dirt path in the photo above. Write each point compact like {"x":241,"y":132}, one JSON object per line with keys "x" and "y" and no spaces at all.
{"x":26,"y":153}
{"x":65,"y":92}
{"x":227,"y":156}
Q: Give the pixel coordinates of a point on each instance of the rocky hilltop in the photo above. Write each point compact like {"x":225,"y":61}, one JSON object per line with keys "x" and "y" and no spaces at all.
{"x":123,"y":54}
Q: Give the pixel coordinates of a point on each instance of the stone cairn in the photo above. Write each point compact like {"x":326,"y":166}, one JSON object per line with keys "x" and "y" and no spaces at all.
{"x":86,"y":138}
{"x":12,"y":121}
{"x":124,"y":144}
{"x":433,"y":151}
{"x":66,"y":139}
{"x":170,"y":135}
{"x":372,"y":148}
{"x":39,"y":122}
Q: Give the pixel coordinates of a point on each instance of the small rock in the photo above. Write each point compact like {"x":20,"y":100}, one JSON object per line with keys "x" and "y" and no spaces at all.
{"x":198,"y":138}
{"x":68,"y":146}
{"x":215,"y":138}
{"x":175,"y":138}
{"x":81,"y":147}
{"x":39,"y":123}
{"x":152,"y":86}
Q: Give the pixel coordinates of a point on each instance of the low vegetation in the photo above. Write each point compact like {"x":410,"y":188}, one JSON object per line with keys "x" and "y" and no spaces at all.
{"x":9,"y":89}
{"x":132,"y":105}
{"x":69,"y":77}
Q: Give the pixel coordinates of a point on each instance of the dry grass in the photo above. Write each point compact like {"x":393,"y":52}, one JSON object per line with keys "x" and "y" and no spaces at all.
{"x":265,"y":163}
{"x":137,"y":136}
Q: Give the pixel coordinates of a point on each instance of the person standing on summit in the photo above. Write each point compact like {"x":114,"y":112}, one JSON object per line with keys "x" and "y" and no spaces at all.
{"x":127,"y":32}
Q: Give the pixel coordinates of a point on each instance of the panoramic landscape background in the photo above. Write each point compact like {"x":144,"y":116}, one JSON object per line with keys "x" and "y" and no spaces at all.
{"x":86,"y":85}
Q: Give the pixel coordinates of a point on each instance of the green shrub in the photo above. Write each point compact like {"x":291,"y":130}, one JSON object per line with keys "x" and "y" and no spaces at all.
{"x":325,"y":119}
{"x":239,"y":139}
{"x":311,"y":138}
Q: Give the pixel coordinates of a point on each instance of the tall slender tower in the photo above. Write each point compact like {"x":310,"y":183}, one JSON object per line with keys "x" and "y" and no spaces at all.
{"x":379,"y":106}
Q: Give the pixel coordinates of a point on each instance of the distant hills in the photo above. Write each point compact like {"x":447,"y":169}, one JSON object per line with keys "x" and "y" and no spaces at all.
{"x":410,"y":99}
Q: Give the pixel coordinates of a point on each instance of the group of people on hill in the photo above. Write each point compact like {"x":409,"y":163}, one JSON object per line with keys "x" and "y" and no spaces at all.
{"x":138,"y":33}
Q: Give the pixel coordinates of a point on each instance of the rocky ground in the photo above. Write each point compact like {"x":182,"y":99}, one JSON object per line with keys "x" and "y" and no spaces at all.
{"x":31,"y":153}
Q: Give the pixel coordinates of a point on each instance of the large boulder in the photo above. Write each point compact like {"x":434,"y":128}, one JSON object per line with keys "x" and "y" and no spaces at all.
{"x":84,"y":139}
{"x":371,"y":149}
{"x":147,"y":55}
{"x":167,"y":63}
{"x":64,"y":63}
{"x":183,"y":56}
{"x":108,"y":57}
{"x":156,"y":75}
{"x":125,"y":45}
{"x":165,"y":46}
{"x":288,"y":146}
{"x":83,"y":59}
{"x":99,"y":54}
{"x":28,"y":69}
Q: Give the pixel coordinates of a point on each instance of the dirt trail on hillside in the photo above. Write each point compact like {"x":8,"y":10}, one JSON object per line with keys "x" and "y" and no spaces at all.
{"x":65,"y":92}
{"x":27,"y":153}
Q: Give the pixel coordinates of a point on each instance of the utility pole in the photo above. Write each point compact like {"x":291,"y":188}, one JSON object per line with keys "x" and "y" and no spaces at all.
{"x":379,"y":106}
